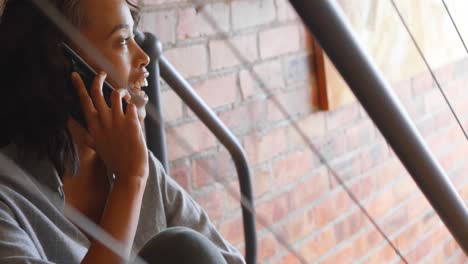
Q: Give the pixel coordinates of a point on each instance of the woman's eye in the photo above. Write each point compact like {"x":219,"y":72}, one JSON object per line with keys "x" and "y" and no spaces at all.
{"x":124,"y":41}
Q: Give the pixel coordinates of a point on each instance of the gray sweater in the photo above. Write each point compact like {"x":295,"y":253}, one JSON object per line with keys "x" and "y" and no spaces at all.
{"x":33,"y":228}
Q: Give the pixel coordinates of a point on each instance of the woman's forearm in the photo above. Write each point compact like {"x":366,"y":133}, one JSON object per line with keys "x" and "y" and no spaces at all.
{"x":120,"y":219}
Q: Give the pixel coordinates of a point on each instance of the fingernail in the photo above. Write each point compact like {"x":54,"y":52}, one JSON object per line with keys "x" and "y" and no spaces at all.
{"x":103,"y":73}
{"x":74,"y":74}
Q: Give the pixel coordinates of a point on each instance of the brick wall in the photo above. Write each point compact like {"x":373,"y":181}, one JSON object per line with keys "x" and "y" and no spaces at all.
{"x":295,"y":192}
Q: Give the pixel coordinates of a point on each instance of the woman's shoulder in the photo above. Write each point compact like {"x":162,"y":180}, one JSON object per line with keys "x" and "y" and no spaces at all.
{"x":25,"y":183}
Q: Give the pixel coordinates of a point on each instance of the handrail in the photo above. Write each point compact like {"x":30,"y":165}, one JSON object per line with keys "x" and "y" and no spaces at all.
{"x":157,"y":141}
{"x":183,"y":89}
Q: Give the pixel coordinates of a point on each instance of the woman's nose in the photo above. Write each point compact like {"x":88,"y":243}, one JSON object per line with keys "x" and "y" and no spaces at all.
{"x":144,"y":59}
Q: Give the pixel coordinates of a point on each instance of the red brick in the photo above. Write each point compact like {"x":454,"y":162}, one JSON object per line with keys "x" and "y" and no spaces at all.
{"x":289,"y":259}
{"x":298,"y":227}
{"x":383,"y":255}
{"x":188,"y":139}
{"x":427,"y":246}
{"x":273,"y":210}
{"x":233,"y":51}
{"x":160,"y":23}
{"x":267,"y":247}
{"x":348,"y":226}
{"x":250,"y":13}
{"x":299,"y":69}
{"x":346,"y":169}
{"x":262,"y":181}
{"x":454,"y":157}
{"x":212,"y":202}
{"x":416,"y":207}
{"x":264,"y":77}
{"x":307,"y":40}
{"x":331,"y":207}
{"x":439,"y":143}
{"x":307,"y":191}
{"x":171,"y":106}
{"x":396,"y":220}
{"x":196,"y":23}
{"x":225,"y":166}
{"x":233,"y":203}
{"x":289,"y":104}
{"x":412,"y":234}
{"x":244,"y":118}
{"x":331,"y":146}
{"x":218,"y":91}
{"x":360,"y":134}
{"x":294,"y":166}
{"x":285,"y":11}
{"x":159,"y":2}
{"x":342,"y":116}
{"x":390,"y":170}
{"x":391,"y":197}
{"x":364,"y":187}
{"x":231,"y":230}
{"x":279,"y":41}
{"x":462,"y":258}
{"x":181,"y":174}
{"x":189,"y":61}
{"x":451,"y":247}
{"x":374,"y":156}
{"x":203,"y":170}
{"x":344,"y":255}
{"x":262,"y":148}
{"x":366,"y":242}
{"x":319,"y":245}
{"x":304,"y":130}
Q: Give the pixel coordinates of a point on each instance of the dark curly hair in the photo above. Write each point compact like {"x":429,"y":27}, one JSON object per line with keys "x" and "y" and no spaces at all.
{"x":37,"y":93}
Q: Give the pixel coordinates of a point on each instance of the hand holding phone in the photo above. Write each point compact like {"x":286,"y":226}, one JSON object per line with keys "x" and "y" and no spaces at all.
{"x":87,"y":74}
{"x":117,"y":137}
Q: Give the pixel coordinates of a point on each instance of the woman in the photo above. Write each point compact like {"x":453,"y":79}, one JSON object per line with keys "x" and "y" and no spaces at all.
{"x":40,"y":133}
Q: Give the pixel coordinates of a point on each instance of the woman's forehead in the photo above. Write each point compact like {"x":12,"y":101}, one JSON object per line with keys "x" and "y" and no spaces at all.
{"x":104,"y":15}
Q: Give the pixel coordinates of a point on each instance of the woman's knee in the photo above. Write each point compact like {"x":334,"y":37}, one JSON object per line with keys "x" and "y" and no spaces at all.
{"x":181,"y":245}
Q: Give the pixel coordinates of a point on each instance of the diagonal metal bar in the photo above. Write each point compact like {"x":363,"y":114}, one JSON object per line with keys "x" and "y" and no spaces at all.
{"x":328,"y":24}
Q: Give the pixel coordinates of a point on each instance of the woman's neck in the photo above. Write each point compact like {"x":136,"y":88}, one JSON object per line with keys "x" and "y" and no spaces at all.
{"x":88,"y":190}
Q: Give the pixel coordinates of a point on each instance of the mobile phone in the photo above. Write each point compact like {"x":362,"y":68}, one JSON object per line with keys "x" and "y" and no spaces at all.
{"x":87,"y":75}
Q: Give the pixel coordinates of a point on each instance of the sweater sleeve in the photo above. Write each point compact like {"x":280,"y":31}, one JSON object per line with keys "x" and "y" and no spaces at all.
{"x":182,"y":210}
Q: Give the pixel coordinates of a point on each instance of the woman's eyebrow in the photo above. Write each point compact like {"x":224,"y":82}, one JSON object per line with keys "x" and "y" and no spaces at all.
{"x":118,"y":27}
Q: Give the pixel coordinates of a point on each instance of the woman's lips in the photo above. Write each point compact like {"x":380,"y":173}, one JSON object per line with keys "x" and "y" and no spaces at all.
{"x":141,"y":81}
{"x":138,"y":97}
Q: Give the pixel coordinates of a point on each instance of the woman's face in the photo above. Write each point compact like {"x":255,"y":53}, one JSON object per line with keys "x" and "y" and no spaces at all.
{"x":108,"y":25}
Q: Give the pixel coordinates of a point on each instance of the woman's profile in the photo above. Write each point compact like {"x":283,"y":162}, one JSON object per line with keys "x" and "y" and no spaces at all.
{"x":140,"y":206}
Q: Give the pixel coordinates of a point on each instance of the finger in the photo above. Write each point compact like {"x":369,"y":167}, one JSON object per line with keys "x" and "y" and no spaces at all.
{"x":132,"y":112}
{"x":127,"y":97}
{"x":87,"y":105}
{"x":96,"y":93}
{"x":116,"y":101}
